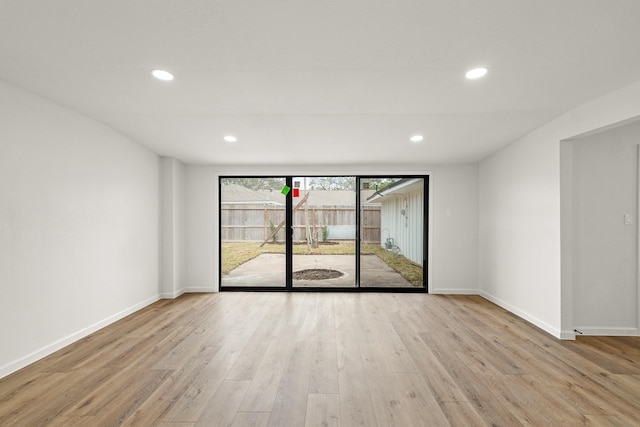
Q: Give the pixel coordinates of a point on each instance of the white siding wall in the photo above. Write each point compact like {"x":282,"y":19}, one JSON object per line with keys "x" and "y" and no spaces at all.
{"x":407,"y":230}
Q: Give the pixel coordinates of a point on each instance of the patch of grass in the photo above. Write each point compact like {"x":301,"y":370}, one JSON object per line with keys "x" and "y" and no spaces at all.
{"x":408,"y":269}
{"x":235,"y":254}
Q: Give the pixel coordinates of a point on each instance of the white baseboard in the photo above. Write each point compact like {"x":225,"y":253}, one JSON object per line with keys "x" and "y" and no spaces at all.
{"x":606,"y":331}
{"x":526,"y":316}
{"x":200,"y":290}
{"x":454,"y":291}
{"x":16,"y":365}
{"x":171,"y":295}
{"x":176,"y":294}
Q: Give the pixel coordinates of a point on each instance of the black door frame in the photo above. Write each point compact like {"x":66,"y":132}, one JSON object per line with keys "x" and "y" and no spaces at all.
{"x":288,"y":286}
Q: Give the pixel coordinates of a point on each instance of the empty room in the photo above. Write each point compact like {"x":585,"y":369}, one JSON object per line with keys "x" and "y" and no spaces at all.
{"x":319,"y":213}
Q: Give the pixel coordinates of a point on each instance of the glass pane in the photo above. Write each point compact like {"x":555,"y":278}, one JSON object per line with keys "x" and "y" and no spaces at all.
{"x":324,"y":231}
{"x":392,"y":232}
{"x":252,"y":231}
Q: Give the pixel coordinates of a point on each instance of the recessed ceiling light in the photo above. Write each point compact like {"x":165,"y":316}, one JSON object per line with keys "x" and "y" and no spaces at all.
{"x":162,"y":75}
{"x":416,"y":138}
{"x":476,"y":73}
{"x":230,"y":138}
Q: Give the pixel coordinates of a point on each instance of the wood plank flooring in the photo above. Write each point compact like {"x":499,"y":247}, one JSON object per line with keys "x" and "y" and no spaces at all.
{"x":323,"y":359}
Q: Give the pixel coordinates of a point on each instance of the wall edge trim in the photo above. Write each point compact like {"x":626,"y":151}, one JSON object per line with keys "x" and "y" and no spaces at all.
{"x":196,"y":290}
{"x":609,"y":331}
{"x":45,"y":351}
{"x":445,"y":291}
{"x":524,"y":315}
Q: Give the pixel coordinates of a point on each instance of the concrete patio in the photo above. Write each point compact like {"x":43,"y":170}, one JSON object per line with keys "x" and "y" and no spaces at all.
{"x":269,"y":270}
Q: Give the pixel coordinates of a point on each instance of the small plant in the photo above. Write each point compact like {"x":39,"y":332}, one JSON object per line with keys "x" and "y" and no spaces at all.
{"x":273,"y":228}
{"x":325,"y":233}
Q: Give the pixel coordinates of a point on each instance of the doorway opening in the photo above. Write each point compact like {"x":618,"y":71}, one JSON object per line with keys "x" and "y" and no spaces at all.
{"x":339,"y":233}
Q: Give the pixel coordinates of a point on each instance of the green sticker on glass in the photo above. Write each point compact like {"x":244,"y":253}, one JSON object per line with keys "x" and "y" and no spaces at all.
{"x":285,"y":190}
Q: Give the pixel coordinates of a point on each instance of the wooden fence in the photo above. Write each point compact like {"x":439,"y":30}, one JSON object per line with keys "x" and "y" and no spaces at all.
{"x":254,"y":222}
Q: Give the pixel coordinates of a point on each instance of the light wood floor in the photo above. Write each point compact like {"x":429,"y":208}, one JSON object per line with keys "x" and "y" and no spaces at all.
{"x":322,"y":359}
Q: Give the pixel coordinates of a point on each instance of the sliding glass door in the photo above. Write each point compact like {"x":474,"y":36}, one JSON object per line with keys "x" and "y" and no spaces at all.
{"x":253,"y":227}
{"x":323,"y":233}
{"x":392,"y":224}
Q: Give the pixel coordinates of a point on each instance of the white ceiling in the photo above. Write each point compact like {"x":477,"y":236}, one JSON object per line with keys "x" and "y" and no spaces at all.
{"x":321,"y":81}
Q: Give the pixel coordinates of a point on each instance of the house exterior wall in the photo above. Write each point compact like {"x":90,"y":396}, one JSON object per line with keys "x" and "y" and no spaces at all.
{"x":406,"y":229}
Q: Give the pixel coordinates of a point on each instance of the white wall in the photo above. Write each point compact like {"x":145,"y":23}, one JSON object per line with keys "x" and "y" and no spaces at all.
{"x":173,"y":228}
{"x":454,"y":229}
{"x":408,"y":238}
{"x":79,"y":221}
{"x":406,"y":228}
{"x":520,"y":215}
{"x":605,"y":256}
{"x":202,"y":229}
{"x":454,"y":220}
